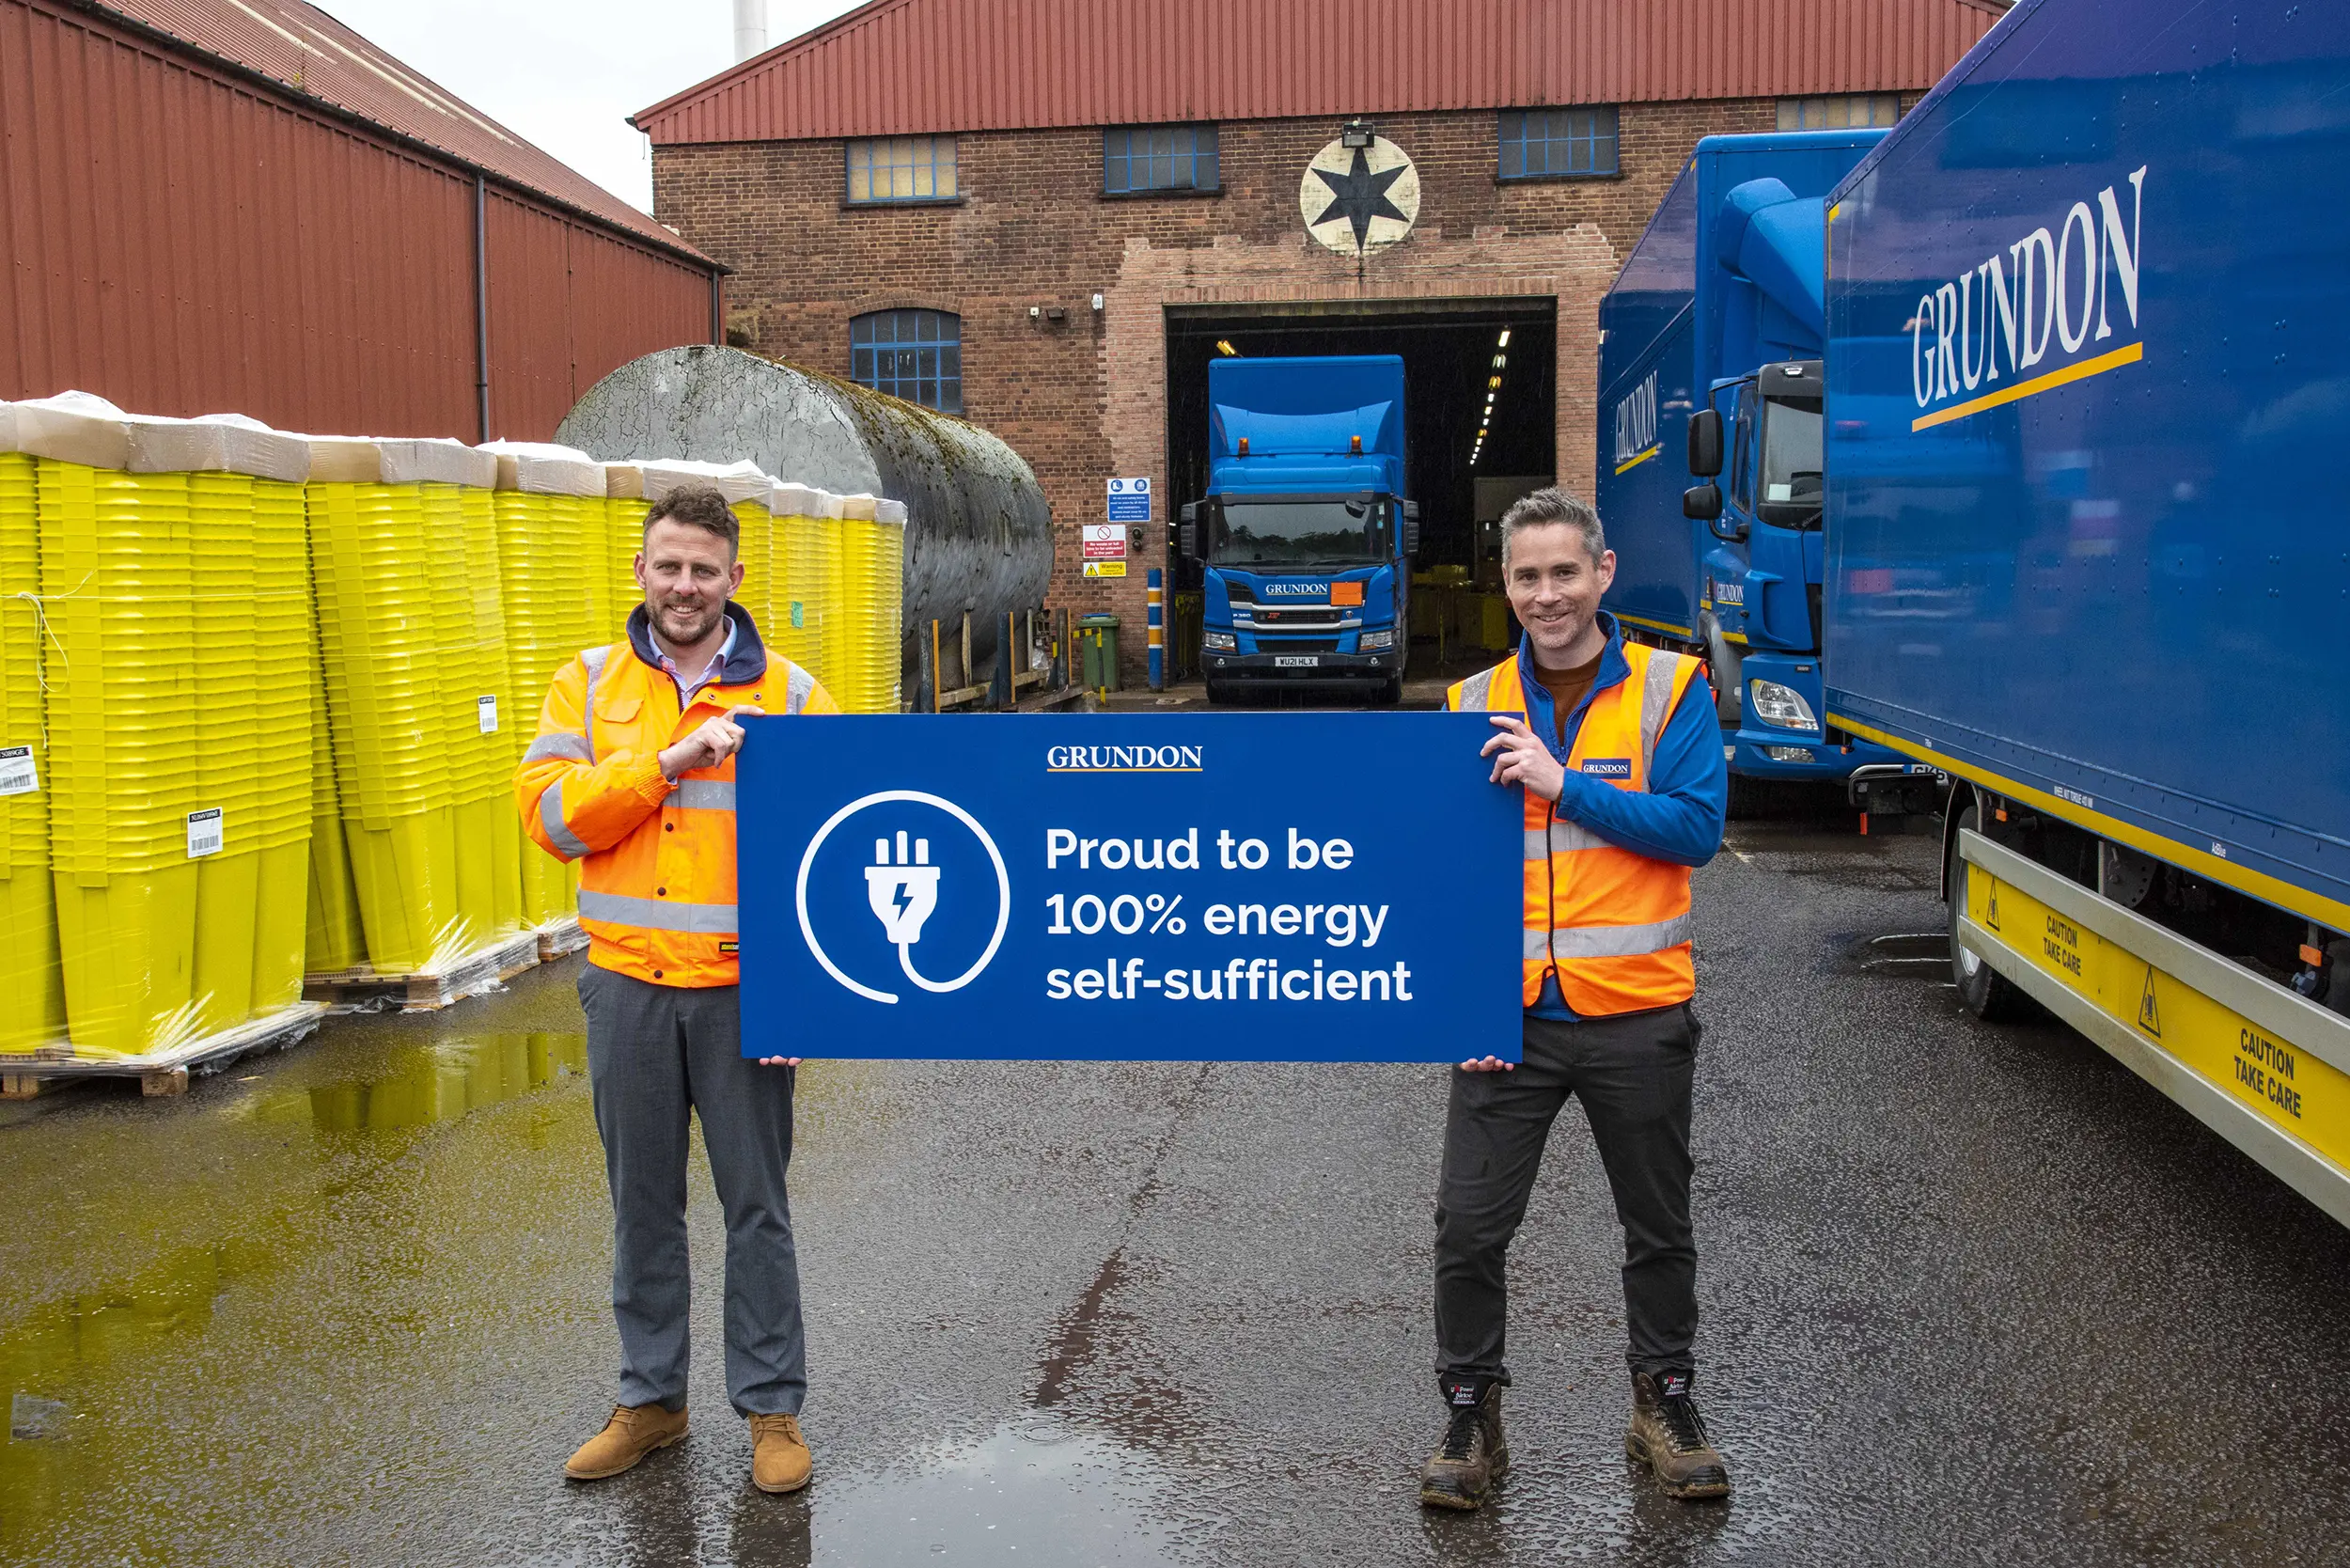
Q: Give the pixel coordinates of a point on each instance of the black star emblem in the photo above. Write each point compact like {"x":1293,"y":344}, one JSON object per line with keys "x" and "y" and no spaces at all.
{"x":1360,"y":195}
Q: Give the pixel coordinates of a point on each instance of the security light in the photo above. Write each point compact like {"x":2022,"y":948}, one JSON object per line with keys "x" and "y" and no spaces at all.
{"x":1357,"y":132}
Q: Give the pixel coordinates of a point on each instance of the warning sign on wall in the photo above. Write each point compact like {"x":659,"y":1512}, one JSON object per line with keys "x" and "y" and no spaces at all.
{"x":1105,"y":541}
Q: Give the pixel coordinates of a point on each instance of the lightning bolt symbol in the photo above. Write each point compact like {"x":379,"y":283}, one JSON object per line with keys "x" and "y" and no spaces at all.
{"x":903,"y":897}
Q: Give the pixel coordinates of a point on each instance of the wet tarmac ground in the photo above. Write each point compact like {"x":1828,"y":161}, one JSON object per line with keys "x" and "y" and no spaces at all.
{"x":1971,"y":1296}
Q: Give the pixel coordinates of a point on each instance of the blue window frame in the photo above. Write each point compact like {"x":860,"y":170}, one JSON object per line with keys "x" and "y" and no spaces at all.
{"x":1558,"y":144}
{"x":914,"y":354}
{"x":1140,"y":158}
{"x":902,"y":168}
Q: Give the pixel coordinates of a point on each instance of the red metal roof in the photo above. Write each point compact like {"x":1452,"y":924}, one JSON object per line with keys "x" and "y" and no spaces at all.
{"x":907,"y":67}
{"x":310,"y":55}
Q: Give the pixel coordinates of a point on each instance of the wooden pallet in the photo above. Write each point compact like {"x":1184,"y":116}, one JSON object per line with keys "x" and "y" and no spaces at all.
{"x":558,"y":938}
{"x":427,"y":991}
{"x":160,"y":1072}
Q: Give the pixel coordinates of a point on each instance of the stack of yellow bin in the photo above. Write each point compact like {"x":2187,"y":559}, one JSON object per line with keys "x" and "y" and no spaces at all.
{"x":249,"y":552}
{"x":381,"y":656}
{"x":861,"y":632}
{"x":31,"y":976}
{"x":127,"y":829}
{"x":808,"y":541}
{"x":545,"y":495}
{"x":624,"y":514}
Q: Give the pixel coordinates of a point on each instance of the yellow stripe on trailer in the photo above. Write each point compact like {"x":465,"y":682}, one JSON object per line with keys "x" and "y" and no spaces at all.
{"x":2264,"y":1067}
{"x":1654,"y":625}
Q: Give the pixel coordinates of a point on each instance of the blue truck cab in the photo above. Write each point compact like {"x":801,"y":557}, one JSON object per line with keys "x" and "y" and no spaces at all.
{"x":1304,"y":534}
{"x":1710,"y":346}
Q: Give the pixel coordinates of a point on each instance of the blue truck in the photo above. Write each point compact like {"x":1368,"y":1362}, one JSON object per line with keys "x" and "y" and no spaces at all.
{"x":1709,"y":344}
{"x":1307,"y":530}
{"x":2088,"y":316}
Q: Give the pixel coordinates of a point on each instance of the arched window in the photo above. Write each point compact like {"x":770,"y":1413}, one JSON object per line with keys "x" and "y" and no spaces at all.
{"x":914,"y":354}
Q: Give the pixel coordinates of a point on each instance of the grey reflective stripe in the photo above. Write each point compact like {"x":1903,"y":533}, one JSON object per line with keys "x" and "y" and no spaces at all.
{"x":695,"y":919}
{"x":566,"y":842}
{"x":1475,"y":691}
{"x":1563,"y":838}
{"x":571,"y":748}
{"x":704,"y":795}
{"x":594,"y":659}
{"x":1655,"y":706}
{"x":797,"y":688}
{"x":1592,"y":941}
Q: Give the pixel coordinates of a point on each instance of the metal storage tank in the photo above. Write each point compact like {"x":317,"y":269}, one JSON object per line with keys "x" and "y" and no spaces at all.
{"x":979,"y":533}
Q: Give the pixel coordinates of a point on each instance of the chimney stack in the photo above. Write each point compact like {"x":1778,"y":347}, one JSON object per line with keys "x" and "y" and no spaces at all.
{"x":750,"y":29}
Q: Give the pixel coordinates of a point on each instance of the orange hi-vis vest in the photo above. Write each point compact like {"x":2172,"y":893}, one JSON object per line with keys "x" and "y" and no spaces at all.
{"x":656,"y":877}
{"x":1612,"y":925}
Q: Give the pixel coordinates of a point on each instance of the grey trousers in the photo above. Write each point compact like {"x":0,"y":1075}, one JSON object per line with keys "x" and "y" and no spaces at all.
{"x":654,"y":1052}
{"x":1634,"y":1073}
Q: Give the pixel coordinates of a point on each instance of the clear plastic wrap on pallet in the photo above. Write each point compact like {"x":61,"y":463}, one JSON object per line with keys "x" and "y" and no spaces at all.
{"x":624,"y":514}
{"x":30,"y":967}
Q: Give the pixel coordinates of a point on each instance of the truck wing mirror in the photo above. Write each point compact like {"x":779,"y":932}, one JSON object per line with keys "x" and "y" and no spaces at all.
{"x":1705,"y":445}
{"x":1411,"y":528}
{"x":1187,"y":532}
{"x":1701,"y":503}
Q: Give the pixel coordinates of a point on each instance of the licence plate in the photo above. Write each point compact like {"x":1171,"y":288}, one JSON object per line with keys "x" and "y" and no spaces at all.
{"x":1296,"y":660}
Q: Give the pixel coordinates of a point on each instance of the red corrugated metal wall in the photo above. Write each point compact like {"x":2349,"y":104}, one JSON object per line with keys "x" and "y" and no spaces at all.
{"x":994,"y":65}
{"x":184,"y":244}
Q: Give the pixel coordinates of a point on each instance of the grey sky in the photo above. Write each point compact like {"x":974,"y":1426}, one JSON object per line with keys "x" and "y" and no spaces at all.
{"x":565,"y":74}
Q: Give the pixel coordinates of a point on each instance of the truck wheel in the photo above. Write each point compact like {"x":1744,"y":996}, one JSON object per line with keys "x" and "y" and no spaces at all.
{"x":1390,"y":692}
{"x":1982,"y":990}
{"x":1749,"y":798}
{"x":1220,"y":695}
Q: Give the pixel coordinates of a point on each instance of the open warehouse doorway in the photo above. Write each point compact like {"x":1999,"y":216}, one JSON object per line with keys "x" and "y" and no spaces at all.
{"x":1481,"y":418}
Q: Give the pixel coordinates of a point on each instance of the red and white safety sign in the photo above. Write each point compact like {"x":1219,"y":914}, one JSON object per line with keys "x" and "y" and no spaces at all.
{"x":1105,"y":541}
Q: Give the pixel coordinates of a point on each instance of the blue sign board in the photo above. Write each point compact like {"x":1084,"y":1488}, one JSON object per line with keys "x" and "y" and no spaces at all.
{"x":1129,"y":500}
{"x":1231,"y":888}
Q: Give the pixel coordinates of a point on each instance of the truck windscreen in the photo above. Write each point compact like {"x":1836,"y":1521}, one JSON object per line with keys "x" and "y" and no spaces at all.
{"x":1789,"y":494}
{"x":1323,"y":531}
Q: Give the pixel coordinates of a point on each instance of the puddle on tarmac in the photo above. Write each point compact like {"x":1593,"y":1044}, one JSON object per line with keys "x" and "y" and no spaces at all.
{"x":1923,"y":955}
{"x":1034,"y":1491}
{"x":433,"y":1084}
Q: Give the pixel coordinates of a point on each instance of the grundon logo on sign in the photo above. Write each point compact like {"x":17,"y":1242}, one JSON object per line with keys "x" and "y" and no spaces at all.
{"x":2045,"y":298}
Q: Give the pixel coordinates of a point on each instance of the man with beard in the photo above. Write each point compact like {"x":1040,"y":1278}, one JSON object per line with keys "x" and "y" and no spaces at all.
{"x":631,"y":774}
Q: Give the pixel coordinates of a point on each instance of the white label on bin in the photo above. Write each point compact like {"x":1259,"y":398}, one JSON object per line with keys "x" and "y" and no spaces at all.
{"x":18,"y":776}
{"x":489,"y":706}
{"x":204,"y":833}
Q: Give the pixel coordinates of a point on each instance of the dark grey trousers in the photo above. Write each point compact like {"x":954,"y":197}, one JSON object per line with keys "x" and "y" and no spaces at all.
{"x":654,"y":1052}
{"x":1632,"y":1074}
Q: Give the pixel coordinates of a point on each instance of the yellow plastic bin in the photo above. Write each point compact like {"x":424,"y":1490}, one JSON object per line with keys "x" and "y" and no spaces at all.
{"x":30,"y":970}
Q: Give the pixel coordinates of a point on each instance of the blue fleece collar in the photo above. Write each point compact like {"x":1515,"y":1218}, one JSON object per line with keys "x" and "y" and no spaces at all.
{"x":745,"y":660}
{"x":1614,"y":670}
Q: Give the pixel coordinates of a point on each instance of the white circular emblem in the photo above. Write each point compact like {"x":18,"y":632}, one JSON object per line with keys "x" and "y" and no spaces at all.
{"x":903,"y":893}
{"x":1356,"y":199}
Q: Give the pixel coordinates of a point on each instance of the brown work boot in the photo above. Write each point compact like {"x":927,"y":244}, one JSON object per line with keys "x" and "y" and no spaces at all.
{"x":780,"y":1458}
{"x":634,"y":1432}
{"x":1474,"y":1453}
{"x":1668,"y":1436}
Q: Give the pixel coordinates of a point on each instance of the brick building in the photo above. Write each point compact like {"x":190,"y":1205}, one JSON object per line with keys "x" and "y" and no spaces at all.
{"x":1049,"y":215}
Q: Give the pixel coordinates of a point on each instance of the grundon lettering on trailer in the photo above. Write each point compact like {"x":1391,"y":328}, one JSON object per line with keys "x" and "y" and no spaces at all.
{"x":2048,"y":291}
{"x":1635,"y":425}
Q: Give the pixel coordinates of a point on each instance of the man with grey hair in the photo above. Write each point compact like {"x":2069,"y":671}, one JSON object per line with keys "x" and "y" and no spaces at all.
{"x":1616,"y":752}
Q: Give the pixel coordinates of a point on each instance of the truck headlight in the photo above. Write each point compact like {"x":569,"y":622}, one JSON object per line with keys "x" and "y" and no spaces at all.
{"x":1782,"y":706}
{"x":1220,"y":642}
{"x":1377,"y":642}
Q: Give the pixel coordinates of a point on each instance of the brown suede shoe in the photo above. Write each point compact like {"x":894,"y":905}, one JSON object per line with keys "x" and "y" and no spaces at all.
{"x":634,"y":1432}
{"x":1668,"y":1436}
{"x":780,"y":1458}
{"x":1473,"y":1455}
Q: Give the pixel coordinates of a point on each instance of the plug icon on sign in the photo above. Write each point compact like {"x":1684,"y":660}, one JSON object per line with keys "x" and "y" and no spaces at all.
{"x":902,"y":892}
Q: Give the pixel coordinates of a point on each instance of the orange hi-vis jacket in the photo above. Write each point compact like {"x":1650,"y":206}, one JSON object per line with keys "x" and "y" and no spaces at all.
{"x":1612,"y":925}
{"x":656,"y":877}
